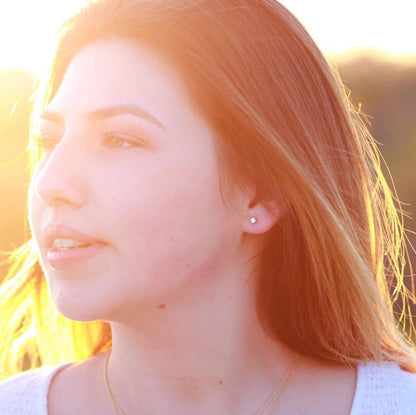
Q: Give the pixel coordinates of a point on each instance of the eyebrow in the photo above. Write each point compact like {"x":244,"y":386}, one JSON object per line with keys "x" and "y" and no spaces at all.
{"x":106,"y":112}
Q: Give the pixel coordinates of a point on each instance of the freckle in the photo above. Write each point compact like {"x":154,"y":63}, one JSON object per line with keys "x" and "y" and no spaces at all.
{"x":229,"y":297}
{"x":220,"y":382}
{"x":188,"y":265}
{"x":161,"y":306}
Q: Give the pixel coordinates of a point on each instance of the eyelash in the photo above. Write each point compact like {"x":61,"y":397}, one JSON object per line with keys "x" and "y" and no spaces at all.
{"x":112,"y":140}
{"x":48,"y":142}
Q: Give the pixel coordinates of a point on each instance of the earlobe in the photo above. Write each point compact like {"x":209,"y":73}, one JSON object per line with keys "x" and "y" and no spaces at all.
{"x":262,"y":216}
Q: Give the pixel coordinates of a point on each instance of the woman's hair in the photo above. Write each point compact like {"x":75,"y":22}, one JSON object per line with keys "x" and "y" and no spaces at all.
{"x":333,"y":265}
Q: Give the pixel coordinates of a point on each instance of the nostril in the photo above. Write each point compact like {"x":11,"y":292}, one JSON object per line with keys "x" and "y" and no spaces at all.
{"x":57,"y":187}
{"x":61,"y":175}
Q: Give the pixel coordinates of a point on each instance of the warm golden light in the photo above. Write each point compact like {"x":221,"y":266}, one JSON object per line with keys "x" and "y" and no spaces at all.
{"x":28,"y":28}
{"x":28,"y":31}
{"x":378,"y":25}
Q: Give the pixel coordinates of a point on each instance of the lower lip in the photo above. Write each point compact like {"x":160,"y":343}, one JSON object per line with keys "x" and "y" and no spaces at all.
{"x":64,"y":258}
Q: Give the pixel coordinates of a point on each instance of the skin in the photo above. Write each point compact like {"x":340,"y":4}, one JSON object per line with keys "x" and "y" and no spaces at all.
{"x":174,"y":275}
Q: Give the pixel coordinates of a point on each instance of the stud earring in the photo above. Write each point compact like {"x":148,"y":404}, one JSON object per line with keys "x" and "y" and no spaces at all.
{"x":253,"y":220}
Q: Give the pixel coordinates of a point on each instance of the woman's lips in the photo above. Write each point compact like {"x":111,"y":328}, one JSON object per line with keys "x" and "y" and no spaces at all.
{"x":63,"y":258}
{"x":66,"y":245}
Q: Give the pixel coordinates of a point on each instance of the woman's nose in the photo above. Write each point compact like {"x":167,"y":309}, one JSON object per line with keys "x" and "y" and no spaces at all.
{"x":60,"y":180}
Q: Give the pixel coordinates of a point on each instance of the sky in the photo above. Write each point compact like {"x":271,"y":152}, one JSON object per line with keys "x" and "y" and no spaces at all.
{"x":28,"y":27}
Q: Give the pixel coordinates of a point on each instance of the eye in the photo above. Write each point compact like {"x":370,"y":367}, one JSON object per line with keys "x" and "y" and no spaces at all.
{"x":47,"y":142}
{"x":120,"y":141}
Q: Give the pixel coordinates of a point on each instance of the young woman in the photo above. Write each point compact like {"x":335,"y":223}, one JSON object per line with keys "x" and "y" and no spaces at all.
{"x":210,"y":219}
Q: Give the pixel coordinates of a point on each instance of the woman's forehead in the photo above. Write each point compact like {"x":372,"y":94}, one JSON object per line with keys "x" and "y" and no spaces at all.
{"x":119,"y":67}
{"x":116,"y":74}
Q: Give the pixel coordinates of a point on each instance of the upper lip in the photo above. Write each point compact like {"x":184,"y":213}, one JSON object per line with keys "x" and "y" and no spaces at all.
{"x":61,"y":231}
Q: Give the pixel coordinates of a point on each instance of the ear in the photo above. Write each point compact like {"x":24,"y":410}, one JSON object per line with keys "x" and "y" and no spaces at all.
{"x":261,"y":216}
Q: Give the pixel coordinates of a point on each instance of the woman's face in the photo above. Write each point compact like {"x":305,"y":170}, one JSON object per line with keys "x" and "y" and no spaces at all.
{"x":125,"y":205}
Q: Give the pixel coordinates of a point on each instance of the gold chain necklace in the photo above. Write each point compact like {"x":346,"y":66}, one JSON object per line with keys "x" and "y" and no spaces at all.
{"x":276,"y":394}
{"x":116,"y":407}
{"x":280,"y":388}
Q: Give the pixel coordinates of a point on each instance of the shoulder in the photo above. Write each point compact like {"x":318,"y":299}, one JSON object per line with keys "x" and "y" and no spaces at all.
{"x":384,"y":389}
{"x":26,"y":393}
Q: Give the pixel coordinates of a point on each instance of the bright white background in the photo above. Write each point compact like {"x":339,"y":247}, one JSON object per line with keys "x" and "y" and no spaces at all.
{"x":28,"y":27}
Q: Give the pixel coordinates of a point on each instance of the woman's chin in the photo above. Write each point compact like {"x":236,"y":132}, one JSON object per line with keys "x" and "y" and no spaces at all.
{"x":80,"y":307}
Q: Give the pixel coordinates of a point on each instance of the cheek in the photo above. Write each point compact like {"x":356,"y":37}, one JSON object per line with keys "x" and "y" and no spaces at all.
{"x":174,"y":203}
{"x":174,"y":221}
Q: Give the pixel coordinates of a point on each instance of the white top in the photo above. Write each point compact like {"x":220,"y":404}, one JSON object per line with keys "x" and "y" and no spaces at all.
{"x":381,"y":390}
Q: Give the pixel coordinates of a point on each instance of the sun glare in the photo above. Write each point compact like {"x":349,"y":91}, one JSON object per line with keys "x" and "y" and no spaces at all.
{"x":28,"y":28}
{"x":28,"y":31}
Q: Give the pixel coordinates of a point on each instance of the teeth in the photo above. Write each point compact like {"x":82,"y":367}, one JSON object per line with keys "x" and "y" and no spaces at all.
{"x":63,"y":244}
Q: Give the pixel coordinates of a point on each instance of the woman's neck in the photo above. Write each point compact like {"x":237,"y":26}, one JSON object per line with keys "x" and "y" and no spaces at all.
{"x":188,"y":350}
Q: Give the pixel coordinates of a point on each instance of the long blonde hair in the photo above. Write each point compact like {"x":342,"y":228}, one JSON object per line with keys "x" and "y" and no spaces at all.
{"x":333,"y":266}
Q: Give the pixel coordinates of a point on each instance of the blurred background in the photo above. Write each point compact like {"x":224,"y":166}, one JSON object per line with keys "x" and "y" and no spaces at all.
{"x":372,"y":44}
